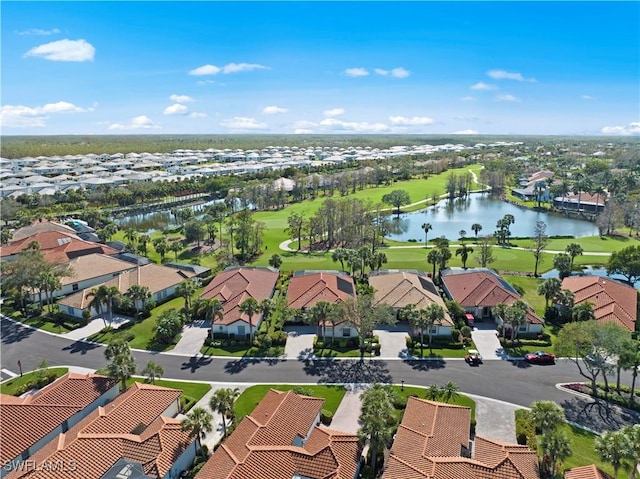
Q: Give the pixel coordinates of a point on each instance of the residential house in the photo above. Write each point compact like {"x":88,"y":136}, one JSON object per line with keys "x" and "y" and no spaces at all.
{"x":138,"y":428}
{"x":161,"y":281}
{"x":30,"y":422}
{"x":281,"y":439}
{"x":479,"y":290}
{"x":231,"y":288}
{"x":613,"y":301}
{"x":433,"y":441}
{"x":534,"y":187}
{"x":586,"y":472}
{"x":581,"y":202}
{"x":400,"y":288}
{"x":306,"y":288}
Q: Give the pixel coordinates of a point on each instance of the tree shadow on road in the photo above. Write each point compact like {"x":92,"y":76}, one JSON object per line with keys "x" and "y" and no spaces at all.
{"x":597,"y":414}
{"x":348,"y":371}
{"x":196,"y":362}
{"x":517,"y":363}
{"x":14,"y":333}
{"x":426,"y":365}
{"x":81,"y":347}
{"x":239,"y":365}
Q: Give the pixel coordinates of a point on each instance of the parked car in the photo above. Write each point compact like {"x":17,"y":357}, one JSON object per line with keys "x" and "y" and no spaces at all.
{"x":473,"y":357}
{"x":540,"y":357}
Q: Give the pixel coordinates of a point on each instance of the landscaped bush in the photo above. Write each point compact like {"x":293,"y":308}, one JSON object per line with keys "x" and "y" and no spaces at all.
{"x":409,"y":340}
{"x":465,"y":331}
{"x":525,"y":429}
{"x":326,"y":417}
{"x":455,"y":334}
{"x":278,"y":338}
{"x":376,"y":349}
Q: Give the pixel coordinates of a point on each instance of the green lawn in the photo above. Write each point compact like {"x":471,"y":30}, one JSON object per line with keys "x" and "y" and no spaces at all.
{"x":460,"y":400}
{"x":439,"y":352}
{"x":530,"y":287}
{"x":43,"y":321}
{"x":192,"y":392}
{"x":251,"y":396}
{"x":12,"y":385}
{"x":583,"y":450}
{"x":242,"y":350}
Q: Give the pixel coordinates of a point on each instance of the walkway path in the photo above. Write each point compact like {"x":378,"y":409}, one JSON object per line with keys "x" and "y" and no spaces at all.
{"x":95,"y":325}
{"x":192,"y":339}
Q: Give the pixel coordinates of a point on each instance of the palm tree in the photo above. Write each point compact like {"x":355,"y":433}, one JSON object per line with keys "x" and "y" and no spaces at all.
{"x":549,"y":288}
{"x":186,"y":290}
{"x":547,"y":415}
{"x":476,"y":228}
{"x":99,"y":298}
{"x":426,"y":227}
{"x":463,"y":235}
{"x":433,"y":257}
{"x":376,"y":419}
{"x":433,"y":392}
{"x":365,"y":256}
{"x":49,"y":283}
{"x":139,"y":293}
{"x":573,"y":250}
{"x":121,"y":365}
{"x":131,"y":235}
{"x":161,"y":246}
{"x":463,"y":252}
{"x":176,"y":247}
{"x":153,"y":371}
{"x":340,"y":254}
{"x":143,"y":240}
{"x":112,"y":294}
{"x":222,"y":402}
{"x":377,"y":260}
{"x":450,"y":391}
{"x":198,"y":422}
{"x":250,"y":307}
{"x":583,"y":312}
{"x":555,"y":447}
{"x":214,"y":310}
{"x":612,"y":447}
{"x":632,"y":434}
{"x":319,"y":313}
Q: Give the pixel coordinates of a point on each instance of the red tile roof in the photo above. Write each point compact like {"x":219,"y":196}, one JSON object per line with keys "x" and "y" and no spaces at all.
{"x":269,"y":444}
{"x":586,"y":472}
{"x":430,"y":442}
{"x":24,"y":421}
{"x":234,"y":285}
{"x":306,"y":290}
{"x":612,"y":301}
{"x":480,"y":288}
{"x":57,"y":247}
{"x":130,"y":427}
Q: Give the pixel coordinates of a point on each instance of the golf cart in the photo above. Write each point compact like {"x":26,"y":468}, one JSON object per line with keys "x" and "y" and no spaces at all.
{"x":473,"y":357}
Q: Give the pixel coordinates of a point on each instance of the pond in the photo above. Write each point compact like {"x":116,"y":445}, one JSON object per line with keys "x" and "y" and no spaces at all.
{"x":591,"y":270}
{"x":449,"y":217}
{"x":160,"y":219}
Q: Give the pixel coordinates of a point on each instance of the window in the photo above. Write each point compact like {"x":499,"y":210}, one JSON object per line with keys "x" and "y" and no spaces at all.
{"x":346,"y":332}
{"x":434,"y":330}
{"x":522,"y":329}
{"x":241,"y":331}
{"x":74,"y":287}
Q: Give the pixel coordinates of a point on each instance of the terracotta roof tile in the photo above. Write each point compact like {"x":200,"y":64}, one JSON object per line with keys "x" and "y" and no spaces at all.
{"x":586,"y":472}
{"x":613,"y":301}
{"x":57,"y":246}
{"x":234,"y":285}
{"x":307,"y":289}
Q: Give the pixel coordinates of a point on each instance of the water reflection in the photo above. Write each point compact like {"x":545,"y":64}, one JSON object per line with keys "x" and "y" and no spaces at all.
{"x":449,"y":217}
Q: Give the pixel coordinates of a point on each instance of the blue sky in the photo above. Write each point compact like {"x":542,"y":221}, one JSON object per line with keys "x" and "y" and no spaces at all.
{"x":320,"y":67}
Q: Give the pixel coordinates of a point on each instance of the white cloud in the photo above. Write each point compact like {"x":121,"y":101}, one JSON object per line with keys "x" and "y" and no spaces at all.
{"x":176,"y":109}
{"x":302,"y":131}
{"x":64,"y":51}
{"x":362,"y":127}
{"x":400,"y":73}
{"x":466,"y":132}
{"x":416,"y":120}
{"x":586,"y":97}
{"x":380,"y":71}
{"x":180,"y":98}
{"x":483,"y":86}
{"x":467,"y":98}
{"x":273,"y":110}
{"x":507,"y":98}
{"x":334,"y":112}
{"x":632,"y":128}
{"x":141,"y":122}
{"x":243,"y":123}
{"x":197,"y":114}
{"x":505,"y":75}
{"x":228,"y":68}
{"x":304,"y":124}
{"x":20,"y":116}
{"x":39,"y":32}
{"x":356,"y":72}
{"x":206,"y":82}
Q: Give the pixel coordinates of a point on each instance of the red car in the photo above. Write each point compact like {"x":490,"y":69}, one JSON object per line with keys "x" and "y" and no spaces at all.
{"x":540,"y":357}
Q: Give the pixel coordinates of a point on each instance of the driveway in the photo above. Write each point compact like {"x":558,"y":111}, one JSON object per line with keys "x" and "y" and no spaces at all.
{"x":192,"y":339}
{"x":299,"y":342}
{"x":346,"y":416}
{"x":486,"y":339}
{"x":393,"y":341}
{"x":495,"y":419}
{"x":96,"y":325}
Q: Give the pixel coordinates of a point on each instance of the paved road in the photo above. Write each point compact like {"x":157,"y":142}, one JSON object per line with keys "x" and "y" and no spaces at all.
{"x":514,"y":382}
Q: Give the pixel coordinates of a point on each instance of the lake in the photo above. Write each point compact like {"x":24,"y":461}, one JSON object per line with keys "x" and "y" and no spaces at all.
{"x":449,"y":217}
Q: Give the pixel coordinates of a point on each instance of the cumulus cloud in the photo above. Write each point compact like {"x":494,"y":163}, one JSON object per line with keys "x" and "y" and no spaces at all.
{"x":180,"y":98}
{"x":483,"y":86}
{"x":632,"y":128}
{"x":400,"y":73}
{"x":467,"y":98}
{"x":507,"y":98}
{"x":416,"y":120}
{"x":243,"y":123}
{"x":334,"y":112}
{"x":273,"y":110}
{"x":197,"y":114}
{"x":466,"y":132}
{"x":21,"y":116}
{"x":176,"y":109}
{"x":362,"y":127}
{"x":586,"y":97}
{"x":356,"y":72}
{"x":64,"y":51}
{"x":39,"y":32}
{"x":505,"y":75}
{"x":380,"y":71}
{"x":141,"y":122}
{"x":226,"y":69}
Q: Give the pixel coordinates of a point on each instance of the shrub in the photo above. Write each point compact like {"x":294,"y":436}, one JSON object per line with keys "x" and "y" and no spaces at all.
{"x":278,"y":338}
{"x":400,"y":402}
{"x":472,"y":427}
{"x":409,"y":342}
{"x":342,"y":343}
{"x":376,"y":349}
{"x":326,"y":417}
{"x":465,"y":331}
{"x":455,"y":334}
{"x":525,"y":429}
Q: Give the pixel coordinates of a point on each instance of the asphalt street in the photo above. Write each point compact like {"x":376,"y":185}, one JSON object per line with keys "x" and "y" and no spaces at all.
{"x":515,"y":382}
